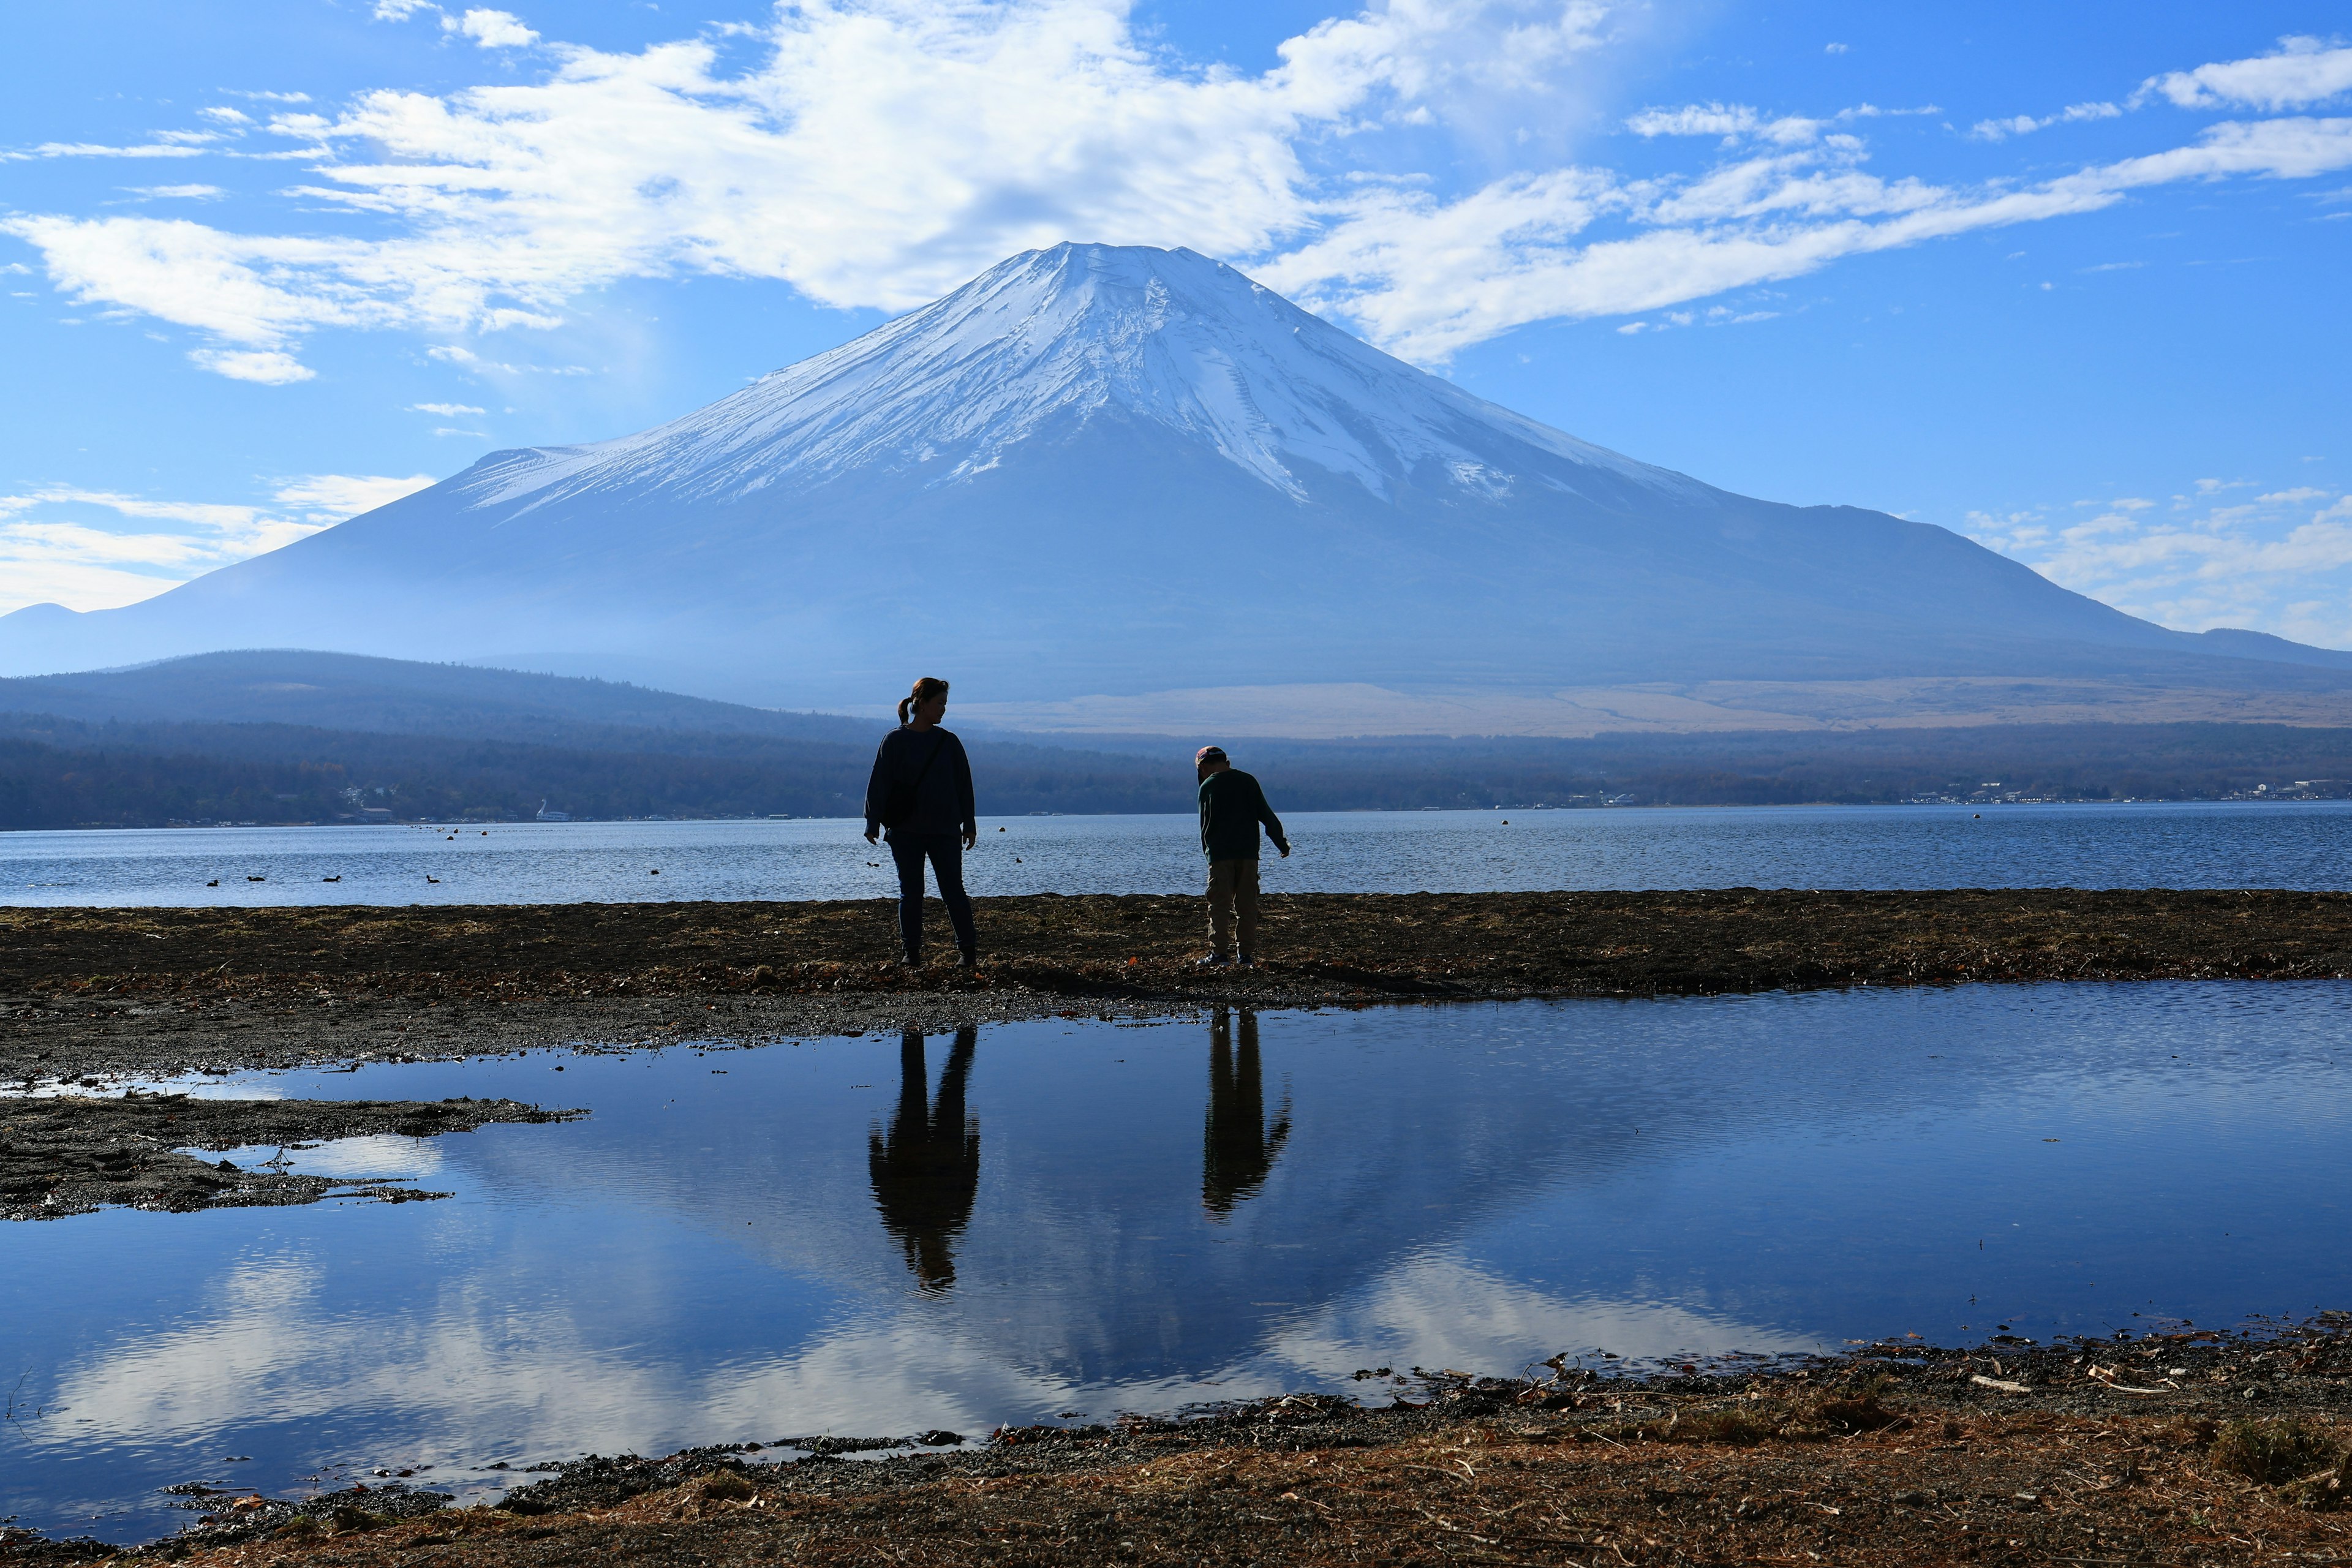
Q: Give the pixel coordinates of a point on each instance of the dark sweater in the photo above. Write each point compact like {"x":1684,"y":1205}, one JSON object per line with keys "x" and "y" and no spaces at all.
{"x":943,"y":801}
{"x":1231,"y":806}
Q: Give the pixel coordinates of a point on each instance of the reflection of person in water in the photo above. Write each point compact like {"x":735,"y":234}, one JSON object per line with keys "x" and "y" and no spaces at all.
{"x":1239,"y":1147}
{"x":926,"y":1171}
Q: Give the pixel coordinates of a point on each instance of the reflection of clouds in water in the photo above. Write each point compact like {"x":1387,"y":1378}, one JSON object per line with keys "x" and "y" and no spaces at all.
{"x":1437,"y":1311}
{"x":379,"y":1155}
{"x":475,"y":1375}
{"x":476,"y":1372}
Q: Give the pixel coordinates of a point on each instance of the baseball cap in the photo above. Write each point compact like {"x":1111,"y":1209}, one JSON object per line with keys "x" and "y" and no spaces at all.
{"x":1210,"y":754}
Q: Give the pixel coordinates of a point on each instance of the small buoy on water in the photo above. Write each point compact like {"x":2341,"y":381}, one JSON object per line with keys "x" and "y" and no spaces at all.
{"x":655,"y":872}
{"x":1976,"y":816}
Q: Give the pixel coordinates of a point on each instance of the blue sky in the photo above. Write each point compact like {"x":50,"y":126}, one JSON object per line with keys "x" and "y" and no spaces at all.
{"x":2070,"y":279}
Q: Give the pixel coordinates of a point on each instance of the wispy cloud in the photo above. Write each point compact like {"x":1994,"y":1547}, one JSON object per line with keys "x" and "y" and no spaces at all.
{"x":446,"y":410}
{"x":875,"y":153}
{"x":91,"y":550}
{"x":2303,"y":72}
{"x":2278,"y":561}
{"x":2026,"y":124}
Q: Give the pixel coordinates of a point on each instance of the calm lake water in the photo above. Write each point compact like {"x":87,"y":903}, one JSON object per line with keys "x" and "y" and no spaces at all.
{"x":2186,"y":845}
{"x":1033,"y":1222}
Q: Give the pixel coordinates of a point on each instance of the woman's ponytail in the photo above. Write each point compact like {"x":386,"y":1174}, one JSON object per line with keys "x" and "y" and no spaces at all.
{"x":925,"y":690}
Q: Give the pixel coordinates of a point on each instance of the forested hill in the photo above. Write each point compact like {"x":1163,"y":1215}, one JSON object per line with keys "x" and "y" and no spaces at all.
{"x":69,"y":773}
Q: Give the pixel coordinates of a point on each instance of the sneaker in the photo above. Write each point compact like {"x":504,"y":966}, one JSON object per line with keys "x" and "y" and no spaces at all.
{"x":1247,"y":961}
{"x":967,"y":960}
{"x":1214,"y":961}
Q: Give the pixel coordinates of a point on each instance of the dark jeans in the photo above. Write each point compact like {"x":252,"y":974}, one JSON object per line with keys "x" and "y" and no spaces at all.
{"x":946,"y":852}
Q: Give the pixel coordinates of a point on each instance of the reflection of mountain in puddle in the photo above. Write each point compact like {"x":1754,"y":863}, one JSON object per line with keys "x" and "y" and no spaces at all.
{"x":1115,"y":1245}
{"x":1106,"y":1235}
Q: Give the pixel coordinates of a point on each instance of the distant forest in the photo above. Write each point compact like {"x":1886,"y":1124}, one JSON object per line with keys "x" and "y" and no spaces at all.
{"x":66,"y":773}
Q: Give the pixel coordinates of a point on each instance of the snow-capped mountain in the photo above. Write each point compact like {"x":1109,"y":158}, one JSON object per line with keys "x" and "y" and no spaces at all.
{"x":1074,"y":333}
{"x":1098,"y":473}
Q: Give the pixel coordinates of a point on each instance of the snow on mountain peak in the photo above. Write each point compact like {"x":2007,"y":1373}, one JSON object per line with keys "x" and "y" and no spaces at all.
{"x":1073,"y":333}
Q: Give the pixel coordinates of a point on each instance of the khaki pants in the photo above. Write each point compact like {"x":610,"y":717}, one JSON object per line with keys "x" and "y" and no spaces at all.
{"x":1233,"y":887}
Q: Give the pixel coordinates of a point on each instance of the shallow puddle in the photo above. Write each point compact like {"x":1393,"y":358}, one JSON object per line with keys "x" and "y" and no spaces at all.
{"x":1073,"y":1218}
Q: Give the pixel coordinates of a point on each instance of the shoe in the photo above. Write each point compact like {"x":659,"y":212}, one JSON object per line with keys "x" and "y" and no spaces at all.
{"x":1214,"y":961}
{"x":910,"y":960}
{"x":1247,"y":961}
{"x":967,"y":960}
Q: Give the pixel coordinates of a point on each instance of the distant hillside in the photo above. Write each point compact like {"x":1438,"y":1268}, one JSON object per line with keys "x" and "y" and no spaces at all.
{"x":347,"y":691}
{"x":66,"y":773}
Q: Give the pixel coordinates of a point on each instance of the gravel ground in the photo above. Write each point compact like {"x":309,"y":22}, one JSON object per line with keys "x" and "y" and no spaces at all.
{"x":98,"y":992}
{"x":2183,"y":1447}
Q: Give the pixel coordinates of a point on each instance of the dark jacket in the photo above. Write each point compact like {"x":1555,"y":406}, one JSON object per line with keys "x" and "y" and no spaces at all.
{"x":943,"y":801}
{"x":1231,"y":806}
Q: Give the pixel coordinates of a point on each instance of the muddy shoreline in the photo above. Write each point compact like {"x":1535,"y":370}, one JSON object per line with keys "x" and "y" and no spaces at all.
{"x":69,"y":1154}
{"x":87,"y":992}
{"x":2181,"y":1445}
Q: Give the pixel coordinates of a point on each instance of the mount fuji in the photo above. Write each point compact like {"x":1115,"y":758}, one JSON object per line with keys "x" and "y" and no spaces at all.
{"x":1113,"y":486}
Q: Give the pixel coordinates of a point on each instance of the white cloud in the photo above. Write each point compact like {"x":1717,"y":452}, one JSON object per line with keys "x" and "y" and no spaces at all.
{"x":225,"y":115}
{"x":267,"y":366}
{"x":1695,"y":120}
{"x":876,"y":152}
{"x":2303,"y":72}
{"x":1428,"y":277}
{"x":2281,"y":563}
{"x":178,"y":193}
{"x":1836,"y":48}
{"x":64,"y":546}
{"x":100,"y":150}
{"x":334,"y":496}
{"x":491,"y":29}
{"x":446,"y":410}
{"x":2026,"y":124}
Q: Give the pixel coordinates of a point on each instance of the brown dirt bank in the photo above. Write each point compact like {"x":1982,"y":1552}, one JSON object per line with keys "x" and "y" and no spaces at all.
{"x":147,"y":989}
{"x":2179,"y":1447}
{"x":69,"y":1154}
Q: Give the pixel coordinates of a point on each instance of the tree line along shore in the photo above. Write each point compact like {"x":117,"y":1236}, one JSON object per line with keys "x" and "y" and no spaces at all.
{"x":69,"y":773}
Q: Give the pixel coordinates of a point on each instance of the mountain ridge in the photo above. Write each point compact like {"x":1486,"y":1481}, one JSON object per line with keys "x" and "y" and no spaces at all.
{"x":1108,"y":474}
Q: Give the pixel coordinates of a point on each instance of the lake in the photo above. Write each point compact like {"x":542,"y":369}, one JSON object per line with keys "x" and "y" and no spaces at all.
{"x":2304,"y":845}
{"x":1069,"y":1218}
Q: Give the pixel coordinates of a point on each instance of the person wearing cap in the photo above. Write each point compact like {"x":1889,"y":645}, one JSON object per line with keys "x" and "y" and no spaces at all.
{"x":1231,"y":808}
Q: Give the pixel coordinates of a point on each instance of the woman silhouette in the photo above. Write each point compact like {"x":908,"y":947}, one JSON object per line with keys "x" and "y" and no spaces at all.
{"x":920,"y":792}
{"x":926,"y":1170}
